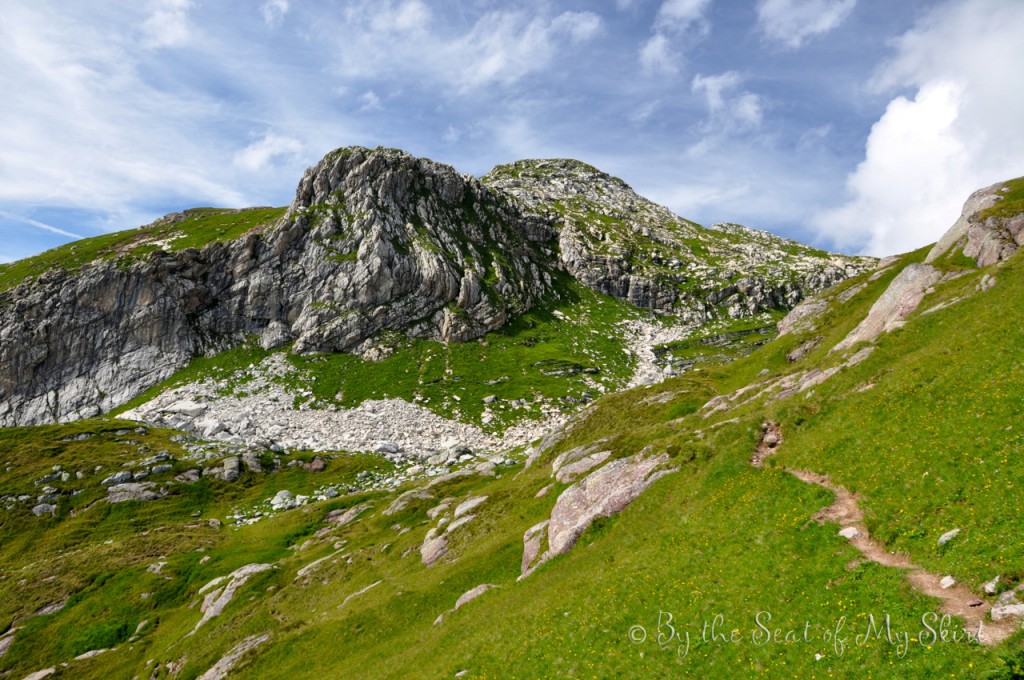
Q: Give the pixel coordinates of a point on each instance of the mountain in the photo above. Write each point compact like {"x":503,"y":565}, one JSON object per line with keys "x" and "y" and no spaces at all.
{"x":836,"y":496}
{"x":374,"y":241}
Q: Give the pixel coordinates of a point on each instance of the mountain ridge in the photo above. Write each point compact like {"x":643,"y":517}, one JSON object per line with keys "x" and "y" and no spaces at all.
{"x":375,"y":240}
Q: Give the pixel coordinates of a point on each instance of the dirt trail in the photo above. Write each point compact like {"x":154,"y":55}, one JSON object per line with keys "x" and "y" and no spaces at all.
{"x":956,"y":601}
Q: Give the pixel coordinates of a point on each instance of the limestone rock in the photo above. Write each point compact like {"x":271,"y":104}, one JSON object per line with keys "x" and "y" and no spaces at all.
{"x":899,"y":300}
{"x":435,"y":546}
{"x":472,"y":594}
{"x":221,"y":669}
{"x":603,"y":493}
{"x":1005,"y":612}
{"x":803,"y":317}
{"x":986,"y":241}
{"x":119,"y":493}
{"x":219,"y":597}
{"x":948,"y":536}
{"x":533,"y":540}
{"x":468,"y":506}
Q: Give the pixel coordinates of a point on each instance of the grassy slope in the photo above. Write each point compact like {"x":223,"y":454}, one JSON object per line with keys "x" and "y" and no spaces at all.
{"x":199,"y":227}
{"x":719,"y":537}
{"x":539,"y":354}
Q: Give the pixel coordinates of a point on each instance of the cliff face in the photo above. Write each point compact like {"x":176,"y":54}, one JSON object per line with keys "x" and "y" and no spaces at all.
{"x":379,"y":240}
{"x":374,"y":240}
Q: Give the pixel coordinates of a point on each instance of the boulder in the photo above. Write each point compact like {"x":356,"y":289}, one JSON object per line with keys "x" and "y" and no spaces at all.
{"x":118,"y":478}
{"x":435,"y":546}
{"x":315,"y":465}
{"x":219,"y":597}
{"x":468,"y":506}
{"x":472,"y":594}
{"x":221,"y":669}
{"x":44,"y":509}
{"x":1007,"y":611}
{"x":601,"y":494}
{"x":119,"y":493}
{"x":186,"y":408}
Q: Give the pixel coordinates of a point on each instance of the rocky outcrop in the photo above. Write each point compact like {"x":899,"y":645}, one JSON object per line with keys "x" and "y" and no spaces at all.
{"x":603,"y":493}
{"x":619,"y":243}
{"x":984,"y":235}
{"x":219,"y":596}
{"x":892,"y":308}
{"x":224,"y":666}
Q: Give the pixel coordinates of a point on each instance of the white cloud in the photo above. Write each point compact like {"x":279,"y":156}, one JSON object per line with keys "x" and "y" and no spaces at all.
{"x":370,"y":100}
{"x":385,"y":38}
{"x":273,"y":11}
{"x":728,"y":110}
{"x":168,"y":25}
{"x":791,"y":22}
{"x":657,"y":55}
{"x":672,"y":24}
{"x":679,"y":15}
{"x":814,"y":138}
{"x":581,"y":27}
{"x":958,"y":133}
{"x":38,"y":225}
{"x":261,"y":153}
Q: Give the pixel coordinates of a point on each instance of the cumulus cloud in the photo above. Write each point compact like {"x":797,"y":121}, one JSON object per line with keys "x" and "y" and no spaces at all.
{"x":791,"y":22}
{"x":261,"y":153}
{"x":273,"y":11}
{"x":957,"y":133}
{"x":729,"y":110}
{"x":657,"y":55}
{"x":675,"y":20}
{"x":168,"y":24}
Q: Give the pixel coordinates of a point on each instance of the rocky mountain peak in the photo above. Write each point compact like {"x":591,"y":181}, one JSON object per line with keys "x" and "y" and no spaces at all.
{"x":622,"y":244}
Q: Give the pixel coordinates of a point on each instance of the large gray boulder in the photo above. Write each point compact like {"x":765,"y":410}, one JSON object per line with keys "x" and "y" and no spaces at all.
{"x":602,"y":493}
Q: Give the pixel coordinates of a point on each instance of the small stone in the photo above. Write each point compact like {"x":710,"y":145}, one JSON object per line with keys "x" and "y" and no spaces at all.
{"x":44,"y":509}
{"x":948,"y":536}
{"x":315,"y":465}
{"x":947,"y":582}
{"x":849,"y":533}
{"x":1000,"y":613}
{"x":118,"y":478}
{"x":990,"y":587}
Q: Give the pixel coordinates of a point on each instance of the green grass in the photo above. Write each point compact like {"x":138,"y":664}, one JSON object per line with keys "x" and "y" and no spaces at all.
{"x":199,"y":227}
{"x":1012,"y":203}
{"x":934,"y":445}
{"x":538,"y":357}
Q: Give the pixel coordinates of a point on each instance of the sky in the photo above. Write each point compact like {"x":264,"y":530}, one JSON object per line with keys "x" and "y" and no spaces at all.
{"x":854,"y":125}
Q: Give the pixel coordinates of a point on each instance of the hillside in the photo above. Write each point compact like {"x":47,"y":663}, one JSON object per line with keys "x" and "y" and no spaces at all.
{"x":826,"y":480}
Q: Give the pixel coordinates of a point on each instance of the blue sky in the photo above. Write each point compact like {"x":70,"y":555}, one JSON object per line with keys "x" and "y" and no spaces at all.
{"x":857,"y":125}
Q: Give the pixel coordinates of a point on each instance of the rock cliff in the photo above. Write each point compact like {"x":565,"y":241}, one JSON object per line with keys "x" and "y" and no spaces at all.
{"x":379,"y":240}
